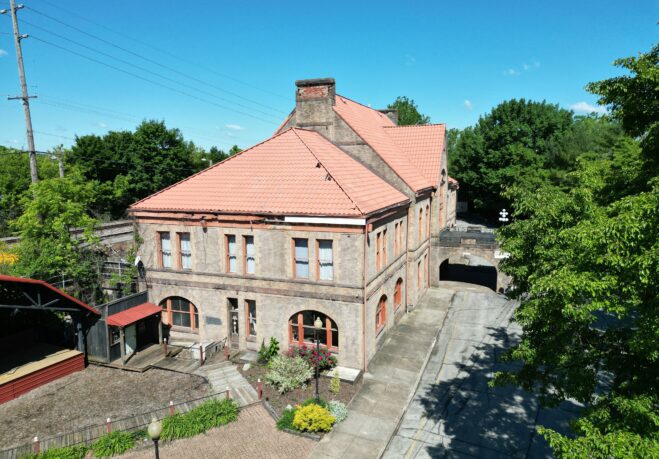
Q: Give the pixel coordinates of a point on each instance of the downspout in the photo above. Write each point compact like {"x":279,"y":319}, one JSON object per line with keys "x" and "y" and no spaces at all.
{"x":407,"y":252}
{"x":364,"y":305}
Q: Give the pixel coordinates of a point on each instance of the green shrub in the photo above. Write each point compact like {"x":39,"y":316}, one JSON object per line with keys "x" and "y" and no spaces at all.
{"x":335,"y":383}
{"x":112,"y":444}
{"x":315,"y":401}
{"x":69,"y":452}
{"x":267,"y":353}
{"x":288,"y":373}
{"x":213,"y":413}
{"x":286,"y":420}
{"x":338,"y":410}
{"x":313,"y":418}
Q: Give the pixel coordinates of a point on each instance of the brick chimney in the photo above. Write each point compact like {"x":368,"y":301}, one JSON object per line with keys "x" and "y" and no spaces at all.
{"x":391,"y":113}
{"x":314,"y":100}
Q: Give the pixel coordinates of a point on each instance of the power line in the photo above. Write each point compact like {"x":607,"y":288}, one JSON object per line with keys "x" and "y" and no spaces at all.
{"x":171,"y":69}
{"x":62,"y":37}
{"x":149,"y":80}
{"x":162,"y":51}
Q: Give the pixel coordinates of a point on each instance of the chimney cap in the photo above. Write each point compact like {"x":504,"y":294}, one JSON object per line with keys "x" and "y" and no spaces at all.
{"x":316,"y":82}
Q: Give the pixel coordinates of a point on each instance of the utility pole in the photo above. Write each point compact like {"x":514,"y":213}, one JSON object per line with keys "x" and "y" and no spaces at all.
{"x":24,"y":95}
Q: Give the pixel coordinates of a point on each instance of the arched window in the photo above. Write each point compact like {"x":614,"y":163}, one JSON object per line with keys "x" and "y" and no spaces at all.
{"x":420,"y":225}
{"x":398,"y":294}
{"x":301,"y":329}
{"x":180,"y":312}
{"x":381,"y":314}
{"x":427,"y":220}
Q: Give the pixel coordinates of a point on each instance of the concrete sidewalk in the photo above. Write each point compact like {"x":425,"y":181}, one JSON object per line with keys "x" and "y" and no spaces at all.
{"x":389,"y":384}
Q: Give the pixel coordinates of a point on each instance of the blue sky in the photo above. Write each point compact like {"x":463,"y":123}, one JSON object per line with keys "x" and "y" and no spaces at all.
{"x":456,"y":59}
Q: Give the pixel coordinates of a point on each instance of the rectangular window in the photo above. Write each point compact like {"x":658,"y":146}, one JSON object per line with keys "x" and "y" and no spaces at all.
{"x":384,"y":248}
{"x":378,"y":245}
{"x":185,"y":251}
{"x":301,"y":258}
{"x":250,"y":314}
{"x":232,"y":261}
{"x":165,"y":250}
{"x":325,"y":260}
{"x":250,"y":260}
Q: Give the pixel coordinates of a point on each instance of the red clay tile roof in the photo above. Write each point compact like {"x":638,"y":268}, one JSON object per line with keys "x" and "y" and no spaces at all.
{"x":132,"y":315}
{"x":422,"y":146}
{"x":370,"y":125}
{"x":297,"y":172}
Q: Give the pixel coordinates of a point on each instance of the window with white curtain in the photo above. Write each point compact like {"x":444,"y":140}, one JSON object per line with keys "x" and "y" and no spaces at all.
{"x":301,"y":258}
{"x":325,"y":260}
{"x":250,"y":261}
{"x":165,"y":250}
{"x":186,"y":251}
{"x":232,"y":261}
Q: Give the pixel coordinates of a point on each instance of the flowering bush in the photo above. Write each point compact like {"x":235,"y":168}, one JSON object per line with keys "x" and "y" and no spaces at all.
{"x":323,"y":358}
{"x":313,"y":418}
{"x":288,"y":373}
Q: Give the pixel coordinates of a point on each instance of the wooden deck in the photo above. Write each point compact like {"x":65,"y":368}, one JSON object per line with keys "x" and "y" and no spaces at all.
{"x":153,"y":356}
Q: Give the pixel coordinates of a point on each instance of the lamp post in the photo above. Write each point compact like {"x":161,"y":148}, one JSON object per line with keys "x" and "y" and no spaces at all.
{"x":155,"y":429}
{"x":503,"y":216}
{"x":317,"y":325}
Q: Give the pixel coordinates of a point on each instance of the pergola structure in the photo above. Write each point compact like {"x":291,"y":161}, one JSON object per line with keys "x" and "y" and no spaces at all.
{"x":36,"y":295}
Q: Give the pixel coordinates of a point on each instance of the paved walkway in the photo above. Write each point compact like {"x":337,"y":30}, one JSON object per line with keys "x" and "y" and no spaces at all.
{"x":253,"y":435}
{"x":225,"y":375}
{"x":454,"y":413}
{"x":389,"y":383}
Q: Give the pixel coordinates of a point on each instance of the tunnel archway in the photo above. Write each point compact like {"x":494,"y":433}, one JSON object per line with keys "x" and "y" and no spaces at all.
{"x":471,"y":270}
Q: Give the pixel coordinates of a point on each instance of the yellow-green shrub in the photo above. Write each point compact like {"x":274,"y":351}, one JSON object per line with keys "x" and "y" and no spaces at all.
{"x":313,"y":418}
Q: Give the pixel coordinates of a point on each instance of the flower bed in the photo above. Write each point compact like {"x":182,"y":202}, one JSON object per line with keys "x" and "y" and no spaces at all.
{"x":323,"y":358}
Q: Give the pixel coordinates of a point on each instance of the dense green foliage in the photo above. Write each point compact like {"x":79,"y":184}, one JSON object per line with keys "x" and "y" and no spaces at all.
{"x":113,"y":444}
{"x":266,"y":353}
{"x":206,"y":416}
{"x":69,"y":452}
{"x":585,"y":263}
{"x":47,"y":249}
{"x":524,"y":144}
{"x":408,"y":112}
{"x":128,"y":166}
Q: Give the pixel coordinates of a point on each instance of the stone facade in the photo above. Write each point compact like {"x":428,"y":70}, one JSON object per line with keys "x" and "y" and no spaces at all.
{"x":358,"y":285}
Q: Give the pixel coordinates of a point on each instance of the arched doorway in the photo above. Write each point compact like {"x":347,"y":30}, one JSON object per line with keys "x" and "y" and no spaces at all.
{"x":472,"y":270}
{"x":381,"y":314}
{"x":398,"y":294}
{"x":301,"y":330}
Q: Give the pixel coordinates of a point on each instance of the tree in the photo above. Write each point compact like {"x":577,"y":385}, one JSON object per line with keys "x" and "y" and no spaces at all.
{"x":524,"y":144}
{"x":129,"y":166}
{"x":584,"y":262}
{"x":47,"y":250}
{"x":15,"y":181}
{"x":408,"y":112}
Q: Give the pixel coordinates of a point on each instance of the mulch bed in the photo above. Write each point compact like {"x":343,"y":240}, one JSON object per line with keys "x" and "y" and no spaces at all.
{"x":88,"y":397}
{"x":280,"y":401}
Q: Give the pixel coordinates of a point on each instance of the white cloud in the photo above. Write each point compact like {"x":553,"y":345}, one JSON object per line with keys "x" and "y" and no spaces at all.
{"x":468,"y":105}
{"x":3,"y":52}
{"x":585,"y":107}
{"x":101,"y":124}
{"x":235,"y":127}
{"x":511,"y":72}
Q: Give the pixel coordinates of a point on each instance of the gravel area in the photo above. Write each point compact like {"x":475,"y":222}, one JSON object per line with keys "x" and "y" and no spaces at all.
{"x":252,"y":435}
{"x":88,"y":397}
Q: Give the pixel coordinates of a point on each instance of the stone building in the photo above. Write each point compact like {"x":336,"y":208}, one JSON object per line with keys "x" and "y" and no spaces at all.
{"x":331,"y":217}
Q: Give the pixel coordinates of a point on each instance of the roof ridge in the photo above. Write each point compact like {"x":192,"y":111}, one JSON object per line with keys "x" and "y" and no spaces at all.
{"x":365,"y":106}
{"x":415,"y":125}
{"x":324,"y":166}
{"x":240,"y":153}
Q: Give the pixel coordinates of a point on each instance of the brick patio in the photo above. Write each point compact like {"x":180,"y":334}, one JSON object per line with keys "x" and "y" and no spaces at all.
{"x":253,"y":435}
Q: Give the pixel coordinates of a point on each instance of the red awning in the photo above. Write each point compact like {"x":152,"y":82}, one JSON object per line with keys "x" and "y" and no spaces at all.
{"x":132,"y":315}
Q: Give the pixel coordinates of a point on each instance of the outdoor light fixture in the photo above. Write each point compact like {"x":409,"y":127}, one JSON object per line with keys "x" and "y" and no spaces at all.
{"x":503,"y":216}
{"x":155,"y":429}
{"x":317,"y":325}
